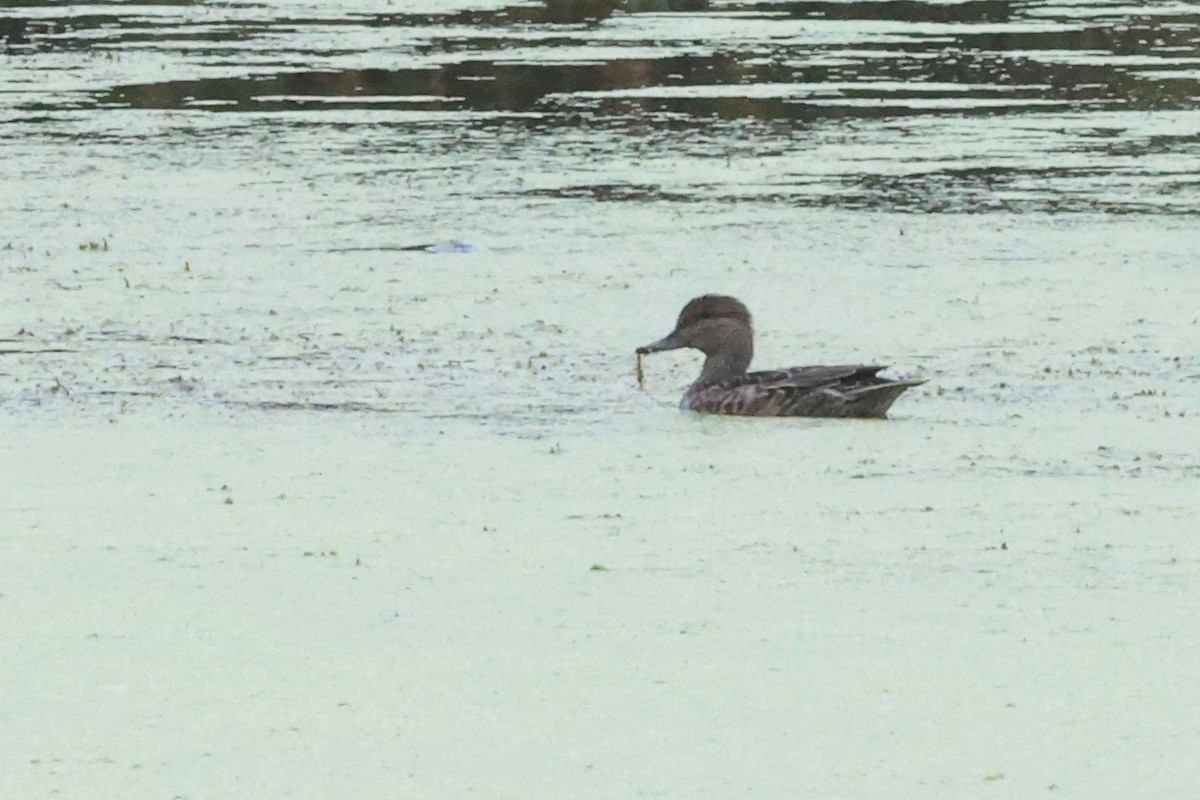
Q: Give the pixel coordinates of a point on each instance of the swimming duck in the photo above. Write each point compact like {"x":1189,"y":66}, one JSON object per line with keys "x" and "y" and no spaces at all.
{"x":720,"y":327}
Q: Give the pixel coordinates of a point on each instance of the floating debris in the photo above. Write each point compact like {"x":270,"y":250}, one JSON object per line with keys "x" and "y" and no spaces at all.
{"x":453,"y":246}
{"x":450,"y":246}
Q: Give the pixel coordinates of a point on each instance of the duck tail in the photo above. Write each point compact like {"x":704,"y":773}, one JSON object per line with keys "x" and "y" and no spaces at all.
{"x":873,"y":402}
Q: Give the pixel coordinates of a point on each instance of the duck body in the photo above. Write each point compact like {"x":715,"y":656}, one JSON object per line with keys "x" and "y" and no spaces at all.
{"x":720,"y":327}
{"x":817,"y":391}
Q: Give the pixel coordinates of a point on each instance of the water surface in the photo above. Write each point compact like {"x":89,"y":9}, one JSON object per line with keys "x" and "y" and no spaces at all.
{"x":298,"y":507}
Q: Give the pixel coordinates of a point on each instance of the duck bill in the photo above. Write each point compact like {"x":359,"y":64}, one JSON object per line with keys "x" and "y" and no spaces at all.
{"x":668,"y":342}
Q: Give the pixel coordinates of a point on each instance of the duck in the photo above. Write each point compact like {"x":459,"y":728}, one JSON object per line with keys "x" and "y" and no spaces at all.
{"x":721,"y":327}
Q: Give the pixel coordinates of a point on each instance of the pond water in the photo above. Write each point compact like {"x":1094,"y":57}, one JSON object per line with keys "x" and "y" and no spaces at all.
{"x":326,"y":470}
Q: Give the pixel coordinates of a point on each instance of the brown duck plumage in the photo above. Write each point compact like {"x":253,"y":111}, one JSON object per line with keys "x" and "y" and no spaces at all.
{"x":721,"y":328}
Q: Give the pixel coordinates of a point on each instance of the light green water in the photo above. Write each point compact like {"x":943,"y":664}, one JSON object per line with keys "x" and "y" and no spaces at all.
{"x":292,"y":510}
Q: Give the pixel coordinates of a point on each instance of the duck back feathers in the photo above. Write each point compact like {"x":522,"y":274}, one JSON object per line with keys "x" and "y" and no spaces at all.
{"x":818,"y":391}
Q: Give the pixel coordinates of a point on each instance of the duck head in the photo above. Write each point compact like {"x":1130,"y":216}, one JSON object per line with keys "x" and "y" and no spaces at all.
{"x":718,"y":326}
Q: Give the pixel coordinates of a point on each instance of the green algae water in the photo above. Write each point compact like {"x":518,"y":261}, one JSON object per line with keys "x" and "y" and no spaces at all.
{"x":325,"y":468}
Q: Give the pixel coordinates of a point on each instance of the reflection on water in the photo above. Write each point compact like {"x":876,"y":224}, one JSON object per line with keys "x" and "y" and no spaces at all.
{"x":1032,"y":81}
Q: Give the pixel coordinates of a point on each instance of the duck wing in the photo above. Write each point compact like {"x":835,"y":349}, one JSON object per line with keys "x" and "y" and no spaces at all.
{"x":813,"y":377}
{"x":852,"y":390}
